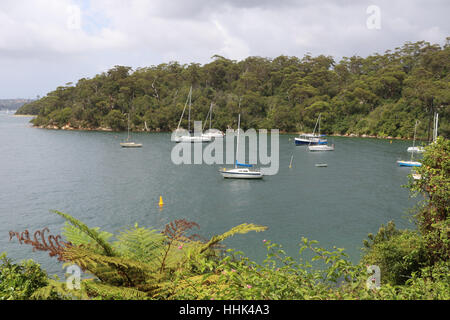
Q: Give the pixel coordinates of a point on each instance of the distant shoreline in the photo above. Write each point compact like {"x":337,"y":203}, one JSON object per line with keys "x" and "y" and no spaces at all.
{"x":104,"y":129}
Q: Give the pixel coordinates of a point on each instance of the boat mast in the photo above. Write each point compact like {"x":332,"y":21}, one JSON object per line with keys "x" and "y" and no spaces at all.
{"x":239,"y":129}
{"x":182,"y":114}
{"x":210,"y":115}
{"x":189,"y":116}
{"x":435,"y":131}
{"x":414,"y":139}
{"x":128,"y":137}
{"x":317,"y":122}
{"x":237,"y":143}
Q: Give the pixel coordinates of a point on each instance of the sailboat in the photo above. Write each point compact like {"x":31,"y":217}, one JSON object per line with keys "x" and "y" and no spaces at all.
{"x":187,"y":137}
{"x":417,"y":149}
{"x":240,"y":173}
{"x":128,"y":143}
{"x":212,"y":133}
{"x":311,"y":138}
{"x":410,"y":163}
{"x":322,"y":144}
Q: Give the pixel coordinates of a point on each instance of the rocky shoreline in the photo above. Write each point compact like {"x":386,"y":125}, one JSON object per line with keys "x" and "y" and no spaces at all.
{"x":105,"y":129}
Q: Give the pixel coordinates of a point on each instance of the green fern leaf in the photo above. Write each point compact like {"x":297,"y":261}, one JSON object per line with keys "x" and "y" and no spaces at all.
{"x":92,"y":233}
{"x":240,"y":229}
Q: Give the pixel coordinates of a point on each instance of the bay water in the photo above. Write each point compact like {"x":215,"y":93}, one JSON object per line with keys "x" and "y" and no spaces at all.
{"x":89,"y":176}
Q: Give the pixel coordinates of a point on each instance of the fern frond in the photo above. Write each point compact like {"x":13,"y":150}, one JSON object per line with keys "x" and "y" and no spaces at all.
{"x":118,"y":267}
{"x":77,"y":237}
{"x":140,"y":244}
{"x":206,"y":285}
{"x":240,"y":229}
{"x":58,"y":290}
{"x":92,"y":233}
{"x":105,"y":291}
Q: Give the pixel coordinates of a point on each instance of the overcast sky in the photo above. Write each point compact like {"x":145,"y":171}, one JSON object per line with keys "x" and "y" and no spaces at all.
{"x":47,"y":43}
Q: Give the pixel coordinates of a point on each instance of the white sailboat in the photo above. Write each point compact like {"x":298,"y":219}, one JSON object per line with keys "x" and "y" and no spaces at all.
{"x":211,"y":133}
{"x":411,"y":163}
{"x":240,"y":173}
{"x":418,"y":149}
{"x":186,"y":137}
{"x":128,"y":143}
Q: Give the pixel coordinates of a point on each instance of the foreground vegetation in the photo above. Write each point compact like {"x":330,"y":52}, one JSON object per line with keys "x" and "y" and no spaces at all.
{"x":175,"y":263}
{"x":380,"y":95}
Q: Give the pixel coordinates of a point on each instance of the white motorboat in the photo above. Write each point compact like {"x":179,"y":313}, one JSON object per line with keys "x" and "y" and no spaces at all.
{"x":321,"y":165}
{"x":241,"y":173}
{"x":322,"y":147}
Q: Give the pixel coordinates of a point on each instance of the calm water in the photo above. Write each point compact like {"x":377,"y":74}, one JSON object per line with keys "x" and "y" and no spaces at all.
{"x":88,"y":175}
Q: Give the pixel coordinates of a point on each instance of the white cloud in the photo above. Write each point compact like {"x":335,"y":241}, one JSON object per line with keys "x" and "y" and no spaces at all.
{"x":44,"y":35}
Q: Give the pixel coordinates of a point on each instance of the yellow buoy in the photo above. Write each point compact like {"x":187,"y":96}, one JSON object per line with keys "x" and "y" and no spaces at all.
{"x":161,"y":202}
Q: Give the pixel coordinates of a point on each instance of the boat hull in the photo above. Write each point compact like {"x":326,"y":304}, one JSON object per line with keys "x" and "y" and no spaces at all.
{"x":317,"y":148}
{"x":321,"y":165}
{"x":130,"y":145}
{"x":305,"y":142}
{"x":193,"y":139}
{"x":409,"y":163}
{"x":235,"y":174}
{"x":416,"y":149}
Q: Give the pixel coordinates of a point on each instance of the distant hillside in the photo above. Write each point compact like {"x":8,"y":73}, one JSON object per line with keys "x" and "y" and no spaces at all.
{"x":13,"y":104}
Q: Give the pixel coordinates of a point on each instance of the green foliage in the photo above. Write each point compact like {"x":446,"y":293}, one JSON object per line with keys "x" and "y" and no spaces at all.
{"x":398,"y":254}
{"x":141,"y":263}
{"x":432,"y":217}
{"x":378,"y":95}
{"x":21,"y":281}
{"x":140,"y":244}
{"x":404,"y":254}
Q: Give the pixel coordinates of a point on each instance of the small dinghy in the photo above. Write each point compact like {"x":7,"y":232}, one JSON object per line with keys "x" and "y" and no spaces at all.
{"x":321,"y":165}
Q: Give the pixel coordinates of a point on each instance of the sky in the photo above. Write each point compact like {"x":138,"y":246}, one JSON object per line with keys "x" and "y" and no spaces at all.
{"x":48,"y":43}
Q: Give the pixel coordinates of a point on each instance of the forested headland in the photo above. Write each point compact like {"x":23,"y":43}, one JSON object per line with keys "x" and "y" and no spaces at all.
{"x":380,"y":95}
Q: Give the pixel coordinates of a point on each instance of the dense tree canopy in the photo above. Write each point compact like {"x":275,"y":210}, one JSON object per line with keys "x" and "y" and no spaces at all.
{"x":379,"y":95}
